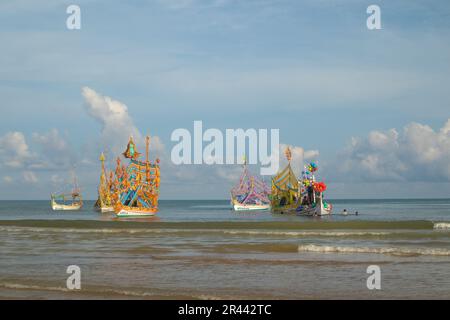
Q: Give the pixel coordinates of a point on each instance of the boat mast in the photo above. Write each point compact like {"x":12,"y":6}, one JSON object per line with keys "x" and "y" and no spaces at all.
{"x":147,"y":167}
{"x":104,"y":175}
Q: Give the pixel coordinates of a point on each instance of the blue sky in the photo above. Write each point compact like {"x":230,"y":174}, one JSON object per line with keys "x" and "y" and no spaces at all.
{"x":310,"y":68}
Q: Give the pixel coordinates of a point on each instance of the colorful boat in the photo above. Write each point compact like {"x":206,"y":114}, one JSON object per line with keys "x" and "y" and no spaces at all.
{"x":137,"y":185}
{"x":67,"y":201}
{"x":104,"y":201}
{"x":285,"y":188}
{"x":250,"y":193}
{"x":312,"y":201}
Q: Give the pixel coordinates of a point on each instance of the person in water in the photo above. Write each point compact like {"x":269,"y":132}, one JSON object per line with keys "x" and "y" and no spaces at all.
{"x":344,"y":212}
{"x":356,"y":213}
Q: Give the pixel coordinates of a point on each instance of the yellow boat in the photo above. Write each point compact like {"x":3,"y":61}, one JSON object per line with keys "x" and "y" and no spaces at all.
{"x":104,"y":202}
{"x":285,"y":188}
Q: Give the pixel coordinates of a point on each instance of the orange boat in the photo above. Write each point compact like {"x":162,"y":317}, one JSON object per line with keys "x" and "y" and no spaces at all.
{"x":137,"y":185}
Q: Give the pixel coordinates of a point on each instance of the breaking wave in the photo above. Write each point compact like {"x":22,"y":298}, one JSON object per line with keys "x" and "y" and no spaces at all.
{"x":442,"y":225}
{"x":375,"y":250}
{"x":306,"y":233}
{"x":197,"y":231}
{"x":107,"y":291}
{"x":112,"y":226}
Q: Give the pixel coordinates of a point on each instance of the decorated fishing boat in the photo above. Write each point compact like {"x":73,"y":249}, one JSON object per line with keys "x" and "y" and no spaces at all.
{"x":312,"y":201}
{"x":285,"y":188}
{"x":104,"y":201}
{"x":136,"y":185}
{"x":250,"y":193}
{"x":67,"y":201}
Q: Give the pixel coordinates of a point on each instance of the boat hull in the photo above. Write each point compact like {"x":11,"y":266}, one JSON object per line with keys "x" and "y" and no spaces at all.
{"x":125,"y":211}
{"x":249,"y":207}
{"x":65,"y":207}
{"x":106,"y":209}
{"x":315,"y":211}
{"x":133,"y":213}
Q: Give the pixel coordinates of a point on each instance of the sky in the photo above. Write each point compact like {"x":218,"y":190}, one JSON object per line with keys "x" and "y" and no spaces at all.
{"x":371,"y":107}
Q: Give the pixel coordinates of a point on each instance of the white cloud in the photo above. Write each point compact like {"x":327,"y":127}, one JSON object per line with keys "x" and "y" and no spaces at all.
{"x":51,"y":141}
{"x":299,"y":157}
{"x":7,"y":179}
{"x":415,"y":153}
{"x":16,"y":153}
{"x":30,"y":177}
{"x":56,"y":179}
{"x":14,"y":150}
{"x":117,"y":124}
{"x":55,"y":151}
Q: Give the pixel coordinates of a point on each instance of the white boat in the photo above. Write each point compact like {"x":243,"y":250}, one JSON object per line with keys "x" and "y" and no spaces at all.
{"x":75,"y":205}
{"x":250,"y":193}
{"x":247,"y":207}
{"x":75,"y":202}
{"x":318,"y":210}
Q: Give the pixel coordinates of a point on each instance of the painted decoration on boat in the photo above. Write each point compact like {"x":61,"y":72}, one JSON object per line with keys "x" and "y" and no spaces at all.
{"x":105,"y":201}
{"x":285,"y":187}
{"x":137,"y":184}
{"x":251,"y":193}
{"x":312,"y":193}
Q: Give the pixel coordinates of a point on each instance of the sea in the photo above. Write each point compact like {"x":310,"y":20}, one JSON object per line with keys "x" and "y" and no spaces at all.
{"x":198,"y":249}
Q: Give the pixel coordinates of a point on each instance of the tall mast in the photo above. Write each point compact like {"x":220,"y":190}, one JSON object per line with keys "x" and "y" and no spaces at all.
{"x":147,"y":144}
{"x":288,"y":154}
{"x":75,"y":184}
{"x":147,"y":167}
{"x":103,"y":176}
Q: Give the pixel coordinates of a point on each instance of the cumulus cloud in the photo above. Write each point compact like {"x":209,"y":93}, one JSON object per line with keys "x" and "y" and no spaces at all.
{"x":30,"y":177}
{"x":14,"y":150}
{"x":117,"y":124}
{"x":55,"y":150}
{"x":7,"y":179}
{"x":51,"y":141}
{"x":414,"y":153}
{"x":16,"y":153}
{"x":299,"y":157}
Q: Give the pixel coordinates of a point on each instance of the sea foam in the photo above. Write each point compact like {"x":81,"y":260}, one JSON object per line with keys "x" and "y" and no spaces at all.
{"x":442,"y":225}
{"x":375,"y":250}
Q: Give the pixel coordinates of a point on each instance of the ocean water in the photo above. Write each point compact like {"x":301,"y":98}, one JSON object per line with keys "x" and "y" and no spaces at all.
{"x":203,"y":250}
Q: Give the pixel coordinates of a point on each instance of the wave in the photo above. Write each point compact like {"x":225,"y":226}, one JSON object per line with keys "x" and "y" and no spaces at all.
{"x":91,"y":225}
{"x":17,"y":286}
{"x":441,"y":225}
{"x":307,"y":233}
{"x":375,"y":250}
{"x":231,"y":232}
{"x":107,"y":291}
